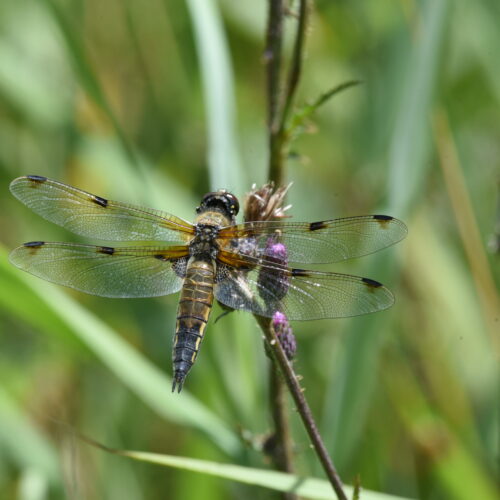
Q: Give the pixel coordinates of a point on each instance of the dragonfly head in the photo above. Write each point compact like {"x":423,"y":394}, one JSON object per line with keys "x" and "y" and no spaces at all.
{"x":220,"y":200}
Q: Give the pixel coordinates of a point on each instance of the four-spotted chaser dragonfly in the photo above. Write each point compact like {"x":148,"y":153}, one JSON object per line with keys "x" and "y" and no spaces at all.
{"x":212,"y":258}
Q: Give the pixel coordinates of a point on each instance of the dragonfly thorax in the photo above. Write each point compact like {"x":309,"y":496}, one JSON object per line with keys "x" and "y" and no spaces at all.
{"x":204,"y":242}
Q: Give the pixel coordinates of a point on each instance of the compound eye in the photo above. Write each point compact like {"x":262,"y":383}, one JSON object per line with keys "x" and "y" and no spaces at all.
{"x":208,"y":197}
{"x":234,"y":204}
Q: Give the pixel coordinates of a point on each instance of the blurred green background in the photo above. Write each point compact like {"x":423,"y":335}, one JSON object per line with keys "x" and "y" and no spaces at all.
{"x":158,"y":102}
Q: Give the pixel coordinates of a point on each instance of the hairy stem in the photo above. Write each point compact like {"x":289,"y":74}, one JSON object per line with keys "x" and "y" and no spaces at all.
{"x":277,"y":118}
{"x":282,"y":451}
{"x":272,"y":58}
{"x":286,"y":369}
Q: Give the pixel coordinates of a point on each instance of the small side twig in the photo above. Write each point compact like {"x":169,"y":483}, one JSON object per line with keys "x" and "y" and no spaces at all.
{"x":296,"y":65}
{"x":286,"y":369}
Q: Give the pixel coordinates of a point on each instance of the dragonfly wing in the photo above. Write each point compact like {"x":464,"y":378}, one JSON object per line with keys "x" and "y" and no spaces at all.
{"x":90,"y":215}
{"x":252,"y":285}
{"x":105,"y":271}
{"x":318,"y":242}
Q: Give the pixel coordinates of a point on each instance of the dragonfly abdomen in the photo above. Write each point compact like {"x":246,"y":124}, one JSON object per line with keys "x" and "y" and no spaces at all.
{"x":193,"y":312}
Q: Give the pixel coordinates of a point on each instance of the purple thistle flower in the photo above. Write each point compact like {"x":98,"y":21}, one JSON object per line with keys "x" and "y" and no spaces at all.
{"x":273,"y":280}
{"x":279,"y":320}
{"x":276,"y":252}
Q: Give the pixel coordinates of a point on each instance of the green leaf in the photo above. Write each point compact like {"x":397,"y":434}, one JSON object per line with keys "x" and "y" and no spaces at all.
{"x":411,"y":140}
{"x":279,"y":481}
{"x":218,"y":85}
{"x":302,"y":114}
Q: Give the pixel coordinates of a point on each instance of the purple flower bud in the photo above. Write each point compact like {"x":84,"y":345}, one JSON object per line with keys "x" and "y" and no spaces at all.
{"x":285,"y":334}
{"x":279,"y":319}
{"x":276,"y":251}
{"x":273,"y":279}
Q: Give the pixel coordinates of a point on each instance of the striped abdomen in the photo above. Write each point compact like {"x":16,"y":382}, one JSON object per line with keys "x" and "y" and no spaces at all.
{"x":194,"y":309}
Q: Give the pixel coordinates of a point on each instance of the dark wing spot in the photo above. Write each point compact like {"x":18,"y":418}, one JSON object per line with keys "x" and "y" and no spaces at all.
{"x":100,"y":201}
{"x":314,"y":226}
{"x":383,"y":220}
{"x":300,"y":272}
{"x":106,"y":250}
{"x":34,"y":244}
{"x":371,"y":283}
{"x":37,"y":179}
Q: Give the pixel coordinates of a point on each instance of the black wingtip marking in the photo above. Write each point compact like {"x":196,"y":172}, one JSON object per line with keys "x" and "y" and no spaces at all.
{"x":383,"y":217}
{"x":314,"y":226}
{"x":38,"y":179}
{"x":371,"y":283}
{"x":34,"y":244}
{"x":300,"y":272}
{"x":100,"y":201}
{"x":106,"y":250}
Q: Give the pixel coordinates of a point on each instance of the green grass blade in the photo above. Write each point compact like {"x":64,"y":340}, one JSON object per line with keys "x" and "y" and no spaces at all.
{"x":134,"y":370}
{"x":409,"y":148}
{"x":26,"y":446}
{"x":87,"y":77}
{"x":410,"y":143}
{"x":218,"y":85}
{"x":278,"y":481}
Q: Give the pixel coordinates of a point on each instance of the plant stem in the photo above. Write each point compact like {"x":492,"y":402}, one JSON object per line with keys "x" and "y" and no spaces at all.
{"x":286,"y":369}
{"x":278,"y":148}
{"x":272,"y":58}
{"x":282,"y":451}
{"x":279,"y":112}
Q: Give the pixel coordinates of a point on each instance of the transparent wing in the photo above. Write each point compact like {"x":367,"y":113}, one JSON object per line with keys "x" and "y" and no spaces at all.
{"x":104,"y":271}
{"x":246,"y":284}
{"x":90,"y":215}
{"x":317,"y":242}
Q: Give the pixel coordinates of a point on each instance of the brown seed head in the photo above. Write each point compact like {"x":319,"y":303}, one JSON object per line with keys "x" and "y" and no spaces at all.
{"x":265,"y":203}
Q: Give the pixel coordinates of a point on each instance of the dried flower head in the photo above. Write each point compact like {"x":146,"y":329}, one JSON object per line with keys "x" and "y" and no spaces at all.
{"x":265,"y":203}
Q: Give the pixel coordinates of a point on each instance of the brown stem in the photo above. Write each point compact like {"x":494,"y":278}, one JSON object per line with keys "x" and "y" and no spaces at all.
{"x":282,"y":451}
{"x":293,"y":384}
{"x":272,"y":58}
{"x":278,"y":113}
{"x":278,"y":148}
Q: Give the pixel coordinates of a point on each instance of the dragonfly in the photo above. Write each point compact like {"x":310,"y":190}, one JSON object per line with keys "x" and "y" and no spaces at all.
{"x":213,"y":258}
